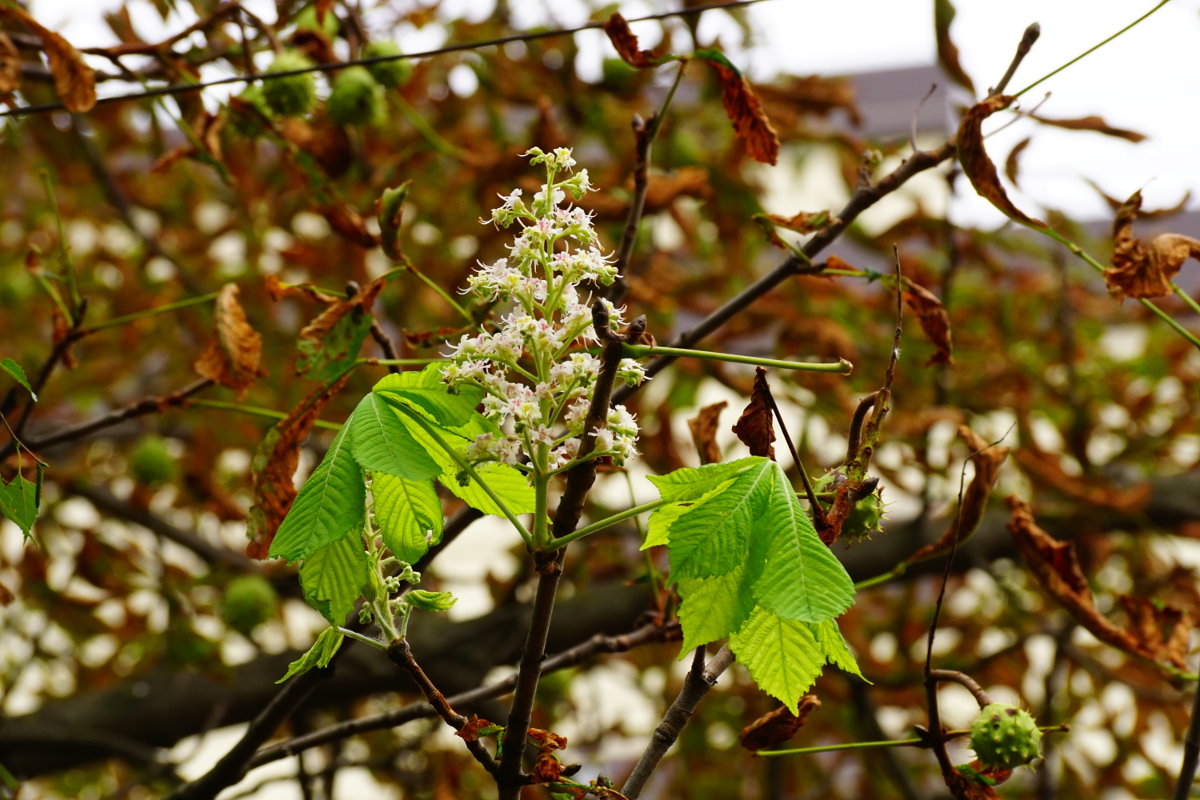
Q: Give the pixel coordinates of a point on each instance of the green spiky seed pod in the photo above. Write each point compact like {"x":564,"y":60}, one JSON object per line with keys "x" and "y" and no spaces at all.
{"x":306,"y":20}
{"x":357,"y":98}
{"x":151,"y":462}
{"x":295,"y":94}
{"x":388,"y":73}
{"x":1005,"y":737}
{"x":248,"y":602}
{"x":864,"y":519}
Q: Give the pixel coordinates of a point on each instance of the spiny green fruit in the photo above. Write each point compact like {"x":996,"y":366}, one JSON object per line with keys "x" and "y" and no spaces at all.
{"x":295,"y":94}
{"x":306,"y":20}
{"x":388,"y":73}
{"x":864,"y":519}
{"x":151,"y":462}
{"x":356,"y":99}
{"x":248,"y":602}
{"x":1005,"y":736}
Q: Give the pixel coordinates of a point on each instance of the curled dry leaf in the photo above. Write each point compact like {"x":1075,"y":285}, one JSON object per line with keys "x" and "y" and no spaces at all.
{"x":754,"y":428}
{"x":273,"y":468}
{"x":547,"y":768}
{"x":811,"y":95}
{"x":744,"y":109}
{"x":1157,"y":632}
{"x":349,"y":224}
{"x":987,"y":459}
{"x":331,"y":341}
{"x":804,"y":221}
{"x":1047,"y":470}
{"x":1012,"y":163}
{"x":943,"y":14}
{"x":626,"y":43}
{"x":474,"y":728}
{"x":10,"y":65}
{"x":976,"y":164}
{"x":1141,"y":269}
{"x":232,"y":358}
{"x":704,"y":432}
{"x":933,"y":318}
{"x":776,"y":727}
{"x":74,"y":80}
{"x":1091,"y":123}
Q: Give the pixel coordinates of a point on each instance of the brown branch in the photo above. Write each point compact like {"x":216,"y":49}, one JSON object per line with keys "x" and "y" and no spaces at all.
{"x":699,"y":680}
{"x":385,"y":344}
{"x":401,"y":655}
{"x":643,"y":135}
{"x":964,"y":680}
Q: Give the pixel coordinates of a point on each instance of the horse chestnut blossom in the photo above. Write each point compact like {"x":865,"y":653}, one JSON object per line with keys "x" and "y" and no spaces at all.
{"x":535,"y":365}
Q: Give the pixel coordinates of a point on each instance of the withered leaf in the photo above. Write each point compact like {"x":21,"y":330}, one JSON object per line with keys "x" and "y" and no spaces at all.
{"x":1155,"y":632}
{"x":1012,"y":163}
{"x":74,"y":80}
{"x":776,"y":727}
{"x":277,"y":290}
{"x":60,"y":332}
{"x":933,"y":318}
{"x":1091,"y":123}
{"x":743,"y":108}
{"x":232,"y":358}
{"x":987,"y":460}
{"x":273,"y":468}
{"x":804,"y":221}
{"x":329,"y":343}
{"x":755,"y":427}
{"x":1145,"y":269}
{"x":943,"y":14}
{"x":704,"y":432}
{"x":349,"y":224}
{"x":10,"y":65}
{"x":1046,"y":469}
{"x":978,"y":168}
{"x":475,"y":727}
{"x":626,"y":43}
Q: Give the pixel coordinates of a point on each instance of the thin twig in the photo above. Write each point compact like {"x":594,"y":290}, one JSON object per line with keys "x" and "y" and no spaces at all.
{"x":1191,"y":753}
{"x":400,"y":652}
{"x":965,"y":680}
{"x":1026,"y":44}
{"x":699,"y":680}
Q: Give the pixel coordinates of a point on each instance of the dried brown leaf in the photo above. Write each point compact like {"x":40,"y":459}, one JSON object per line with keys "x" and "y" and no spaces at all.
{"x":232,"y":358}
{"x":704,"y":432}
{"x":1046,"y":469}
{"x":1156,"y":632}
{"x":471,"y":731}
{"x":74,"y":80}
{"x":60,"y":331}
{"x":1091,"y":123}
{"x":943,"y":15}
{"x":933,"y":318}
{"x":626,"y":43}
{"x":976,"y":164}
{"x":1145,"y":269}
{"x":349,"y":224}
{"x":776,"y":727}
{"x":811,"y":95}
{"x":804,"y":221}
{"x":745,"y":112}
{"x":987,"y":459}
{"x":1012,"y":163}
{"x":10,"y":65}
{"x":754,"y":428}
{"x":274,"y":467}
{"x":326,"y":345}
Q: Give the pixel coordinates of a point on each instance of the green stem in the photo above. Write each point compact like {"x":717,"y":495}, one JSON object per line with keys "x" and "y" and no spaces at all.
{"x":607,"y":522}
{"x":890,"y":575}
{"x":1185,"y":297}
{"x":1091,"y":50}
{"x":353,"y":634}
{"x":425,"y":129}
{"x":465,"y":466}
{"x":63,"y":254}
{"x":258,"y":411}
{"x":438,"y":290}
{"x":151,"y":312}
{"x":846,"y":746}
{"x":1096,"y":265}
{"x":402,"y":362}
{"x":842,"y":366}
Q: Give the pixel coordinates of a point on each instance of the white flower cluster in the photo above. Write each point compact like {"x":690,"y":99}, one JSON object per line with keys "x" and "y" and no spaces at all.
{"x":535,"y":366}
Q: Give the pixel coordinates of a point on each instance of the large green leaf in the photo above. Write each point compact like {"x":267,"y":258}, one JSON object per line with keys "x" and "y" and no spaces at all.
{"x":507,"y":482}
{"x":329,"y":506}
{"x":691,"y":483}
{"x":381,"y":442}
{"x":14,"y":370}
{"x":784,"y":656}
{"x":19,"y":500}
{"x":333,"y":577}
{"x":425,"y":390}
{"x":409,"y":515}
{"x":713,"y":536}
{"x":319,"y":655}
{"x":713,"y":608}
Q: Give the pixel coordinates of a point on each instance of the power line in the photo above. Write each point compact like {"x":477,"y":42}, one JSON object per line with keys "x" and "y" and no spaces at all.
{"x":163,"y":91}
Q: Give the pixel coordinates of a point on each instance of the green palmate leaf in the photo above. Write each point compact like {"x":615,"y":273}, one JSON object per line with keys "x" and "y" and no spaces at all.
{"x":381,"y":441}
{"x":713,"y":608}
{"x":333,"y":577}
{"x":319,"y":655}
{"x":507,"y":482}
{"x":19,"y":500}
{"x":14,"y":370}
{"x":691,"y":483}
{"x":409,"y":515}
{"x":713,"y":537}
{"x":331,"y":505}
{"x":835,"y":648}
{"x":425,"y":391}
{"x":785,"y":656}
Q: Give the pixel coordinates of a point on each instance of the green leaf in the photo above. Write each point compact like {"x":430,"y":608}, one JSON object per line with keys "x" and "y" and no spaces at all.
{"x":712,"y":608}
{"x":692,"y":483}
{"x":319,"y":655}
{"x":784,"y":656}
{"x":18,"y":374}
{"x":19,"y":500}
{"x":430,"y":601}
{"x":802,"y":579}
{"x":332,"y":577}
{"x":331,"y":504}
{"x":325,"y":355}
{"x":509,"y":483}
{"x":713,"y":536}
{"x":409,"y":515}
{"x":382,"y":442}
{"x":833,"y":644}
{"x":426,"y":392}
